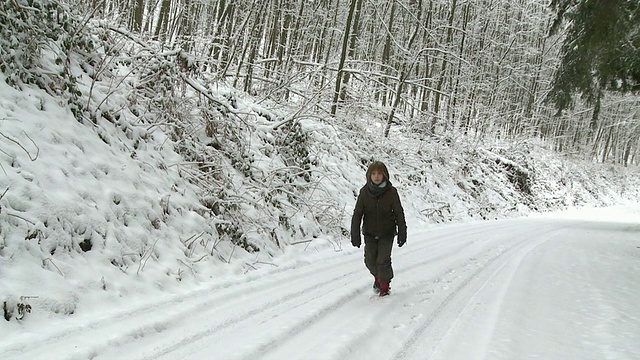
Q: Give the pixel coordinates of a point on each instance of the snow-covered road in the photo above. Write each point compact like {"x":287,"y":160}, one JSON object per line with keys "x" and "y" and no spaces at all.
{"x":536,"y":288}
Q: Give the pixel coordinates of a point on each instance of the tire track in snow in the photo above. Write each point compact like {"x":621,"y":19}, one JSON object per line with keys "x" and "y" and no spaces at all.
{"x":189,"y":303}
{"x":455,"y":243}
{"x":251,"y":313}
{"x":142,"y":321}
{"x":356,"y":271}
{"x":354,"y":292}
{"x":440,"y":321}
{"x":280,"y":343}
{"x":438,"y":270}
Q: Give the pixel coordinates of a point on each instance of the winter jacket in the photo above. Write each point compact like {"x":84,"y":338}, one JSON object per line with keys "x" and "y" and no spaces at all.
{"x":382,"y":215}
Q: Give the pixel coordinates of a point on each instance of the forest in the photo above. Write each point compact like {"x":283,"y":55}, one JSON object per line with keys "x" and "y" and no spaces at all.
{"x":488,"y":69}
{"x":264,"y":101}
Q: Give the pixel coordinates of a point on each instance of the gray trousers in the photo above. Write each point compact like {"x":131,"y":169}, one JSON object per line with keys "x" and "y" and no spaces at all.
{"x":377,"y":256}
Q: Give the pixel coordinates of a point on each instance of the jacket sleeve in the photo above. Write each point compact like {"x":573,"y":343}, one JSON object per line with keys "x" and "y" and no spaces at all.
{"x":356,"y":220}
{"x":401,"y":223}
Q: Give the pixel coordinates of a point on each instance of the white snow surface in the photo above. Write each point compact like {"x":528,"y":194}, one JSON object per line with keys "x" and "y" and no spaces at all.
{"x":158,"y":284}
{"x":558,"y":286}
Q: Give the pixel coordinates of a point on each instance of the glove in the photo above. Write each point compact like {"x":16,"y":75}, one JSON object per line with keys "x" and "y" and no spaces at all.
{"x":401,"y":242}
{"x":356,"y":242}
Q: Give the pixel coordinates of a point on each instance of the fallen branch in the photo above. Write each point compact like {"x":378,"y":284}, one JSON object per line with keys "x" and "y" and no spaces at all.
{"x":54,"y":265}
{"x":23,"y":148}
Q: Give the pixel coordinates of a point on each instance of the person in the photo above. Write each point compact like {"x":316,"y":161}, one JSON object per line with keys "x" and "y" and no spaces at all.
{"x":379,"y":210}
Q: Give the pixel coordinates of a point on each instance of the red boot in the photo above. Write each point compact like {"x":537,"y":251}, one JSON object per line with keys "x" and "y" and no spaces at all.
{"x":384,"y":289}
{"x":376,"y":285}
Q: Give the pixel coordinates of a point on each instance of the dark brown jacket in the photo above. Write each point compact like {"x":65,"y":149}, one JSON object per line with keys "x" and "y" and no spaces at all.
{"x":381,"y":216}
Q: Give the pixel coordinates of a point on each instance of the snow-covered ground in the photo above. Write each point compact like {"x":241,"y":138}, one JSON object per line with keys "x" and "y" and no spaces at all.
{"x":558,"y":286}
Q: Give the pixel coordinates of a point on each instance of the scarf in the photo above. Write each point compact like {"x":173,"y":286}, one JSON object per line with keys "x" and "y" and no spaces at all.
{"x":377,"y":190}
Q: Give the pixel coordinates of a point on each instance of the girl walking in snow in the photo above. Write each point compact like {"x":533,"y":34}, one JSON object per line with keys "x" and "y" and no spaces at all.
{"x":379,"y":210}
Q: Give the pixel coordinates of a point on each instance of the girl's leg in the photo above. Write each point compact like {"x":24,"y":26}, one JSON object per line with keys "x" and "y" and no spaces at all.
{"x":383,"y":259}
{"x":371,"y":254}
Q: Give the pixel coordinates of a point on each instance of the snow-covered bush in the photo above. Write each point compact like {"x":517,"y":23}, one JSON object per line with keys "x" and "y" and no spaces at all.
{"x":39,"y":42}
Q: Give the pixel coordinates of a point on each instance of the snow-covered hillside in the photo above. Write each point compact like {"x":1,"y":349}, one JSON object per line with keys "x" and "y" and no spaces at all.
{"x":142,"y":177}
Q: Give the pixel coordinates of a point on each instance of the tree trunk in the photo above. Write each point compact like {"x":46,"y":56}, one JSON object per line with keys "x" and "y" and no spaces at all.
{"x":329,"y":47}
{"x":162,"y":25}
{"x":386,"y":57}
{"x":443,"y":68}
{"x":352,"y":48}
{"x":343,"y":57}
{"x":250,"y":48}
{"x":406,"y":69}
{"x":138,"y":12}
{"x":454,"y":93}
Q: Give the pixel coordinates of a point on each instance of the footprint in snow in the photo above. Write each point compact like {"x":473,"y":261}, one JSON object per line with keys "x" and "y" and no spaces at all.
{"x":399,"y":326}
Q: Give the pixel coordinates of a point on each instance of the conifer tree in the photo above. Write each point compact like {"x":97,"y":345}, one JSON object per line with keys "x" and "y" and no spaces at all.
{"x":601,"y":51}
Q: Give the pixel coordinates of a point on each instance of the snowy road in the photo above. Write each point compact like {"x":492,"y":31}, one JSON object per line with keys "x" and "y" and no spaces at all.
{"x":538,"y":288}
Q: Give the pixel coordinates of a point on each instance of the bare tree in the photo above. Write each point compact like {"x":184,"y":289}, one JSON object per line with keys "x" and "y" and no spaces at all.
{"x":343,"y":56}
